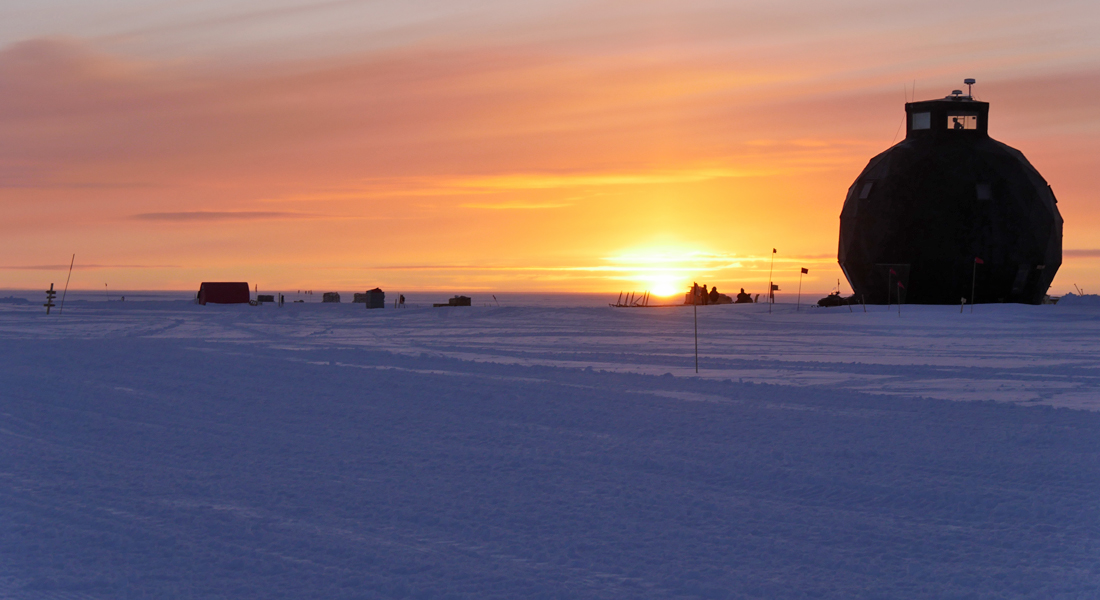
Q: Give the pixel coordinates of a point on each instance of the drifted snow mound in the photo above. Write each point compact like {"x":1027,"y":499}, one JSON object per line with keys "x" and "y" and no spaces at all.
{"x":1082,"y":300}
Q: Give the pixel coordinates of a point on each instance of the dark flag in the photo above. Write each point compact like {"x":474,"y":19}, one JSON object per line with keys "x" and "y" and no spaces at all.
{"x":978,"y":261}
{"x":805,"y":270}
{"x":775,"y":287}
{"x":900,"y":285}
{"x":893,"y":272}
{"x":773,"y":250}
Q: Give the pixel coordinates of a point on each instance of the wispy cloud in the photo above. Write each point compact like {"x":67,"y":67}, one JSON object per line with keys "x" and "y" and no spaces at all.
{"x":517,"y":205}
{"x":542,"y":181}
{"x":1082,"y":253}
{"x":480,"y":185}
{"x":683,"y":265}
{"x":230,"y":215}
{"x":80,"y":267}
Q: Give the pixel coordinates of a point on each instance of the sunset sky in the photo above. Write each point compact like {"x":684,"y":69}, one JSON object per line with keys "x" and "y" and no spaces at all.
{"x":571,"y":145}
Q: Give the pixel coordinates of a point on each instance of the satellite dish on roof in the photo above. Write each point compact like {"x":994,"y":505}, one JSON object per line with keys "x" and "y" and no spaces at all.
{"x":969,"y":81}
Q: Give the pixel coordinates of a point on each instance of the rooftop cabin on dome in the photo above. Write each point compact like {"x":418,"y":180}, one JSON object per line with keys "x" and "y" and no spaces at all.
{"x":951,"y":116}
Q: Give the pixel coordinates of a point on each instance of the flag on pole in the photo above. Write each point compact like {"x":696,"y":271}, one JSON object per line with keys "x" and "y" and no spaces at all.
{"x":775,"y":287}
{"x":805,"y":270}
{"x":978,"y":261}
{"x":893,"y":272}
{"x":900,"y":285}
{"x":773,"y":250}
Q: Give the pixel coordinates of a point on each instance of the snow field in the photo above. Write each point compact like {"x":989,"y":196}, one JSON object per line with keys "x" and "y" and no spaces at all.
{"x":170,"y":450}
{"x":1026,"y":354}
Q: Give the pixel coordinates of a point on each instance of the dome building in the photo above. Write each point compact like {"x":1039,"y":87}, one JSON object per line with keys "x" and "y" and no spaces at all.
{"x":950,"y":213}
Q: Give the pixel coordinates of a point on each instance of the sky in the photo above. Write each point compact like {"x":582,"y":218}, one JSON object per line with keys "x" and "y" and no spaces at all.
{"x":566,"y":146}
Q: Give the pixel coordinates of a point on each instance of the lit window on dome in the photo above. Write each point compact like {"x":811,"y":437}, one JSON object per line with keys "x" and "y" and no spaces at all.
{"x":962,"y":121}
{"x":922,"y":120}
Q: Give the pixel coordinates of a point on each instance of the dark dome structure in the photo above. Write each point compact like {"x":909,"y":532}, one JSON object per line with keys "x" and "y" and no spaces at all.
{"x":948,"y":210}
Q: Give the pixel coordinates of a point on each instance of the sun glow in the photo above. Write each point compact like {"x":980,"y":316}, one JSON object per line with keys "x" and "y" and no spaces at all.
{"x":664,"y":284}
{"x":669,"y":271}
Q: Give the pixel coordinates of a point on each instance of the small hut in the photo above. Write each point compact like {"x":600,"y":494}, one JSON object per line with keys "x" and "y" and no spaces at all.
{"x":456,"y":301}
{"x":375,"y":298}
{"x":222,"y":292}
{"x":330,"y":297}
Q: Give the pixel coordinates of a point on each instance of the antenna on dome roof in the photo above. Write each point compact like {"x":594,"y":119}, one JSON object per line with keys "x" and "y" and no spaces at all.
{"x":969,"y":81}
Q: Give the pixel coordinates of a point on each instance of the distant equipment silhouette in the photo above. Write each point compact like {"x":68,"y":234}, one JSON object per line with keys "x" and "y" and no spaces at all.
{"x":950,"y":213}
{"x":50,"y":296}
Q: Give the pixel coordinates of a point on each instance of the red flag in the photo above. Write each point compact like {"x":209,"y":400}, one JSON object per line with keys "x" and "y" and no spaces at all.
{"x":900,"y":285}
{"x":775,"y":287}
{"x":893,"y":272}
{"x":979,"y":261}
{"x":805,"y":270}
{"x":773,"y":250}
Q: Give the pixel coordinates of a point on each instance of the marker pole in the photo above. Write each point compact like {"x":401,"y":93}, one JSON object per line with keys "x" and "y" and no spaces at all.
{"x":695,"y":308}
{"x":771,"y":284}
{"x":973,"y":286}
{"x":71,"y":262}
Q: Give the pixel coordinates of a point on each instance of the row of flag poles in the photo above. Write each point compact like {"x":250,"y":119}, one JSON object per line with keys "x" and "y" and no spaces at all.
{"x":773,"y":287}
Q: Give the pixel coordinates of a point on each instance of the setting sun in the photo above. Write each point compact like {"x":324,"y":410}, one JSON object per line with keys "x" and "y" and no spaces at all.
{"x":671,"y":270}
{"x":665,"y":286}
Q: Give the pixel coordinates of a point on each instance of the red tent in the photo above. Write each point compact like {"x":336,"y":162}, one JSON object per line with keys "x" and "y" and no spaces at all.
{"x":221,"y":292}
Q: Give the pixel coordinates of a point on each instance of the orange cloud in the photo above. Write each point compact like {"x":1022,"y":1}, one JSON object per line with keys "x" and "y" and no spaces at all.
{"x":206,"y":216}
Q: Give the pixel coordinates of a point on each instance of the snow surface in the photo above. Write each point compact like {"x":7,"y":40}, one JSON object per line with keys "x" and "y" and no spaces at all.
{"x":163,"y":449}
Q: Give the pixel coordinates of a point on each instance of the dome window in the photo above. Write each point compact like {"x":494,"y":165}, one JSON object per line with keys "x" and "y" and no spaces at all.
{"x":962,"y":121}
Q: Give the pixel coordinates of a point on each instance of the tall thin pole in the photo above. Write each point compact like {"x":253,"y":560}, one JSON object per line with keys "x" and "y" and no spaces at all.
{"x":889,"y":293}
{"x":62,"y":308}
{"x":798,"y":306}
{"x":973,"y":285}
{"x":771,"y":285}
{"x":106,"y":292}
{"x":695,"y":308}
